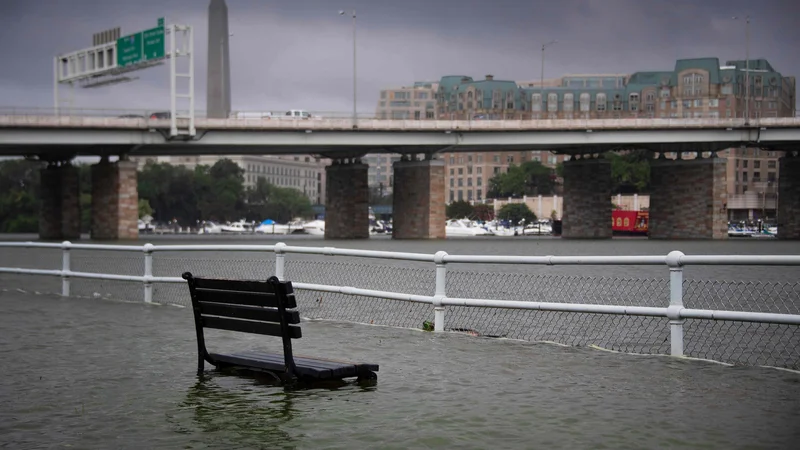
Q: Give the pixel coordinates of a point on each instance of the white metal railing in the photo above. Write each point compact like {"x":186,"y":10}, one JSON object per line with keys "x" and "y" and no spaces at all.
{"x":673,"y":309}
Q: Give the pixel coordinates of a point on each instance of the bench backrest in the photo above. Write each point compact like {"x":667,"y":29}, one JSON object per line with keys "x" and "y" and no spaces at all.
{"x":260,"y":307}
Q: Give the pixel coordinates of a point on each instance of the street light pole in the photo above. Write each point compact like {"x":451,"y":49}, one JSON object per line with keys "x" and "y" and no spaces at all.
{"x":746,"y":114}
{"x":355,"y":110}
{"x":541,"y":79}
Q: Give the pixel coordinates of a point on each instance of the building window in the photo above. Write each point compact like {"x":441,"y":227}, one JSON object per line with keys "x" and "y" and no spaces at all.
{"x":727,"y":89}
{"x":713,"y":102}
{"x":650,"y":97}
{"x":601,"y":102}
{"x":536,"y":102}
{"x":771,"y":164}
{"x":585,"y":102}
{"x":633,"y":102}
{"x":756,"y":164}
{"x":552,"y":102}
{"x":569,"y":102}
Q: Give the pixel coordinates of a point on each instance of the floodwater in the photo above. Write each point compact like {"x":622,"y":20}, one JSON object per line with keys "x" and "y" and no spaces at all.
{"x":95,"y":373}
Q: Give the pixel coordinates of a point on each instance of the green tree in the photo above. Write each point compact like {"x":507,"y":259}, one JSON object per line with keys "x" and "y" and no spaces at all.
{"x":266,"y":201}
{"x":514,"y":212}
{"x":529,"y":178}
{"x":171,"y":191}
{"x":144,"y":208}
{"x":459,"y":210}
{"x":220,"y":191}
{"x":630,"y":172}
{"x":19,"y":196}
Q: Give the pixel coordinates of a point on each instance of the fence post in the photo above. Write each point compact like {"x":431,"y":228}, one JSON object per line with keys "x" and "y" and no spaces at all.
{"x":148,"y":273}
{"x":441,"y":291}
{"x":675,"y":302}
{"x":65,"y":268}
{"x":280,"y":260}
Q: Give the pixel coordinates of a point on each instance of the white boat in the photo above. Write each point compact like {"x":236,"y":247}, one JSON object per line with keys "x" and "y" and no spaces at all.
{"x":235,"y":227}
{"x":496,"y":228}
{"x":210,"y":228}
{"x":542,"y":227}
{"x":315,"y":227}
{"x":463,"y":227}
{"x":270,"y":227}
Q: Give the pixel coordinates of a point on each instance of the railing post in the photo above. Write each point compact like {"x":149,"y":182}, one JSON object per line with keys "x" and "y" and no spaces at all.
{"x":148,"y":273}
{"x":280,"y":260}
{"x":441,"y":291}
{"x":65,"y":268}
{"x":675,"y":302}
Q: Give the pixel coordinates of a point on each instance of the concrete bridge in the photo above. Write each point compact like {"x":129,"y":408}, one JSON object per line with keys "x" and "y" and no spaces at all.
{"x":419,"y":198}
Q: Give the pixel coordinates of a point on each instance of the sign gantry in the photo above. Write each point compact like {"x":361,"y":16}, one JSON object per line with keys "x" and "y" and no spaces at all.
{"x":112,"y":57}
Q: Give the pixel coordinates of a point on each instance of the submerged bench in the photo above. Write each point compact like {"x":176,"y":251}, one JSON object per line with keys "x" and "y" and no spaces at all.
{"x":260,"y":307}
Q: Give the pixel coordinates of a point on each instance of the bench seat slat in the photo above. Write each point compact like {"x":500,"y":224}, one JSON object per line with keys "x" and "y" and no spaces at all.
{"x":247,"y":312}
{"x":306,"y":367}
{"x":244,"y":326}
{"x":322,"y":362}
{"x":242,"y":298}
{"x":312,"y":361}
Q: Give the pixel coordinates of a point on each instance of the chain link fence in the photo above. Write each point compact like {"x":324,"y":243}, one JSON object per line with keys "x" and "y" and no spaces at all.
{"x":746,"y":343}
{"x":368,"y":310}
{"x":634,"y":334}
{"x":735,"y":342}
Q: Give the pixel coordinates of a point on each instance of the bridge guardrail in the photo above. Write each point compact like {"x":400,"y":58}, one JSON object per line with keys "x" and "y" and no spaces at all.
{"x":88,"y":117}
{"x":729,"y":321}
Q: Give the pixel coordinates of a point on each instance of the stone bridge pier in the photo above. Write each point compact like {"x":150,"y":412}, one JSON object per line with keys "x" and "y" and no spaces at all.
{"x":115,"y":200}
{"x":587,"y":198}
{"x":418,"y":200}
{"x":347,"y":199}
{"x":688,"y":198}
{"x":60,"y":213}
{"x":789,"y":197}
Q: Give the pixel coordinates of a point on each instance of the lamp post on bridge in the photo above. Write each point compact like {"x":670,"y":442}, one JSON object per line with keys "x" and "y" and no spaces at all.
{"x":541,"y":79}
{"x":746,"y":114}
{"x":355,"y":111}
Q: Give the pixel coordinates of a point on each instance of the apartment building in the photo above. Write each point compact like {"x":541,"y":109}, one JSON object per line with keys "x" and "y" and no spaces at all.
{"x":415,"y":102}
{"x":694,"y":88}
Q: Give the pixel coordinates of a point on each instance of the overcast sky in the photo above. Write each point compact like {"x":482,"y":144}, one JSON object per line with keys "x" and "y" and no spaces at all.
{"x":297,"y":54}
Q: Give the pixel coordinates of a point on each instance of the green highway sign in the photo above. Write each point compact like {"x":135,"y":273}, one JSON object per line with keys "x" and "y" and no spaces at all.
{"x":129,"y":49}
{"x":153,"y":43}
{"x":142,"y":46}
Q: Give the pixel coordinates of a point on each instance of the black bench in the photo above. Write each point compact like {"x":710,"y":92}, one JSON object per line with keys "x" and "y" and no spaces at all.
{"x":260,"y":307}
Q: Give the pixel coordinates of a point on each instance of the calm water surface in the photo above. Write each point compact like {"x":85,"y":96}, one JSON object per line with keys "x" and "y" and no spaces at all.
{"x":85,"y":373}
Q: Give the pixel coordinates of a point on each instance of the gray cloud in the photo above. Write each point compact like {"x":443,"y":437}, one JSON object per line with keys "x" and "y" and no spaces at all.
{"x":298,"y":53}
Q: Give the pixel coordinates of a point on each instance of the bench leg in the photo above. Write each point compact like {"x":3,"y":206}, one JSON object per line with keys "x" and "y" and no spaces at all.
{"x":367,"y":375}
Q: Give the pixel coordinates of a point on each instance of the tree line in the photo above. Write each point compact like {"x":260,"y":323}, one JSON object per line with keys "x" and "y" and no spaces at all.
{"x":166,"y":192}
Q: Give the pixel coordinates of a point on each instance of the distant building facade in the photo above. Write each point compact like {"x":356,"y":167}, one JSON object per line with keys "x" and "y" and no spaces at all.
{"x":695,"y":88}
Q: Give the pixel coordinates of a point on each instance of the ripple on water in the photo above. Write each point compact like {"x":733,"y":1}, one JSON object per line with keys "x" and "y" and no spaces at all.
{"x":101,"y":374}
